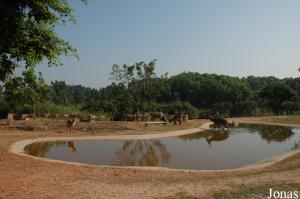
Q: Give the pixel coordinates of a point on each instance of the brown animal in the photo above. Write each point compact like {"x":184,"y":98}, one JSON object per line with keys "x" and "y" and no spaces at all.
{"x":55,"y":116}
{"x":71,"y":122}
{"x":10,"y":119}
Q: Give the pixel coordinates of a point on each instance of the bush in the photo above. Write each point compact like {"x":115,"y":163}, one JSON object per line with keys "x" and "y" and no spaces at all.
{"x":178,"y":107}
{"x":50,"y":107}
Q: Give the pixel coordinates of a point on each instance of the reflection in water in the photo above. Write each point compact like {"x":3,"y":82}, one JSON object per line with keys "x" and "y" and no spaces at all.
{"x":142,"y":153}
{"x":71,"y":145}
{"x":195,"y":136}
{"x":296,"y":144}
{"x":42,"y":148}
{"x":231,"y":149}
{"x":272,"y":133}
{"x":209,"y":136}
{"x":217,"y":136}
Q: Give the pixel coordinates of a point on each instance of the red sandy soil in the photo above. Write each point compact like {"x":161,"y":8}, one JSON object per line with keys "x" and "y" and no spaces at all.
{"x":25,"y":177}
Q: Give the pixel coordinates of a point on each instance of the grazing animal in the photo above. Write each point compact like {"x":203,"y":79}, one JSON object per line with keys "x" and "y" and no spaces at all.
{"x":71,"y":123}
{"x":10,"y":119}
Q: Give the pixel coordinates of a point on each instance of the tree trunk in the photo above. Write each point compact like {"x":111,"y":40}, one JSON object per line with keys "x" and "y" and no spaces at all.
{"x":33,"y":105}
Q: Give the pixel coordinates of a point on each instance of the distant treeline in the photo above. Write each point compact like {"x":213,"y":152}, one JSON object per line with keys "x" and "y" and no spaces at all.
{"x":137,"y":89}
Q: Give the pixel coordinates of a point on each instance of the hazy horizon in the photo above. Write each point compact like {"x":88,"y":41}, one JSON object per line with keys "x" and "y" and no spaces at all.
{"x":236,"y":38}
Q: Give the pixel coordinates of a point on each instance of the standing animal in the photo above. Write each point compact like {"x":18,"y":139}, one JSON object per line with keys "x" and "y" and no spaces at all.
{"x":71,"y":122}
{"x":10,"y":119}
{"x":55,"y":116}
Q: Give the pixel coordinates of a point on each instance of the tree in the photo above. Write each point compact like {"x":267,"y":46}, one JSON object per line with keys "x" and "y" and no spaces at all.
{"x":60,"y":92}
{"x":28,"y":90}
{"x":27,"y":32}
{"x":137,"y":80}
{"x":275,"y":95}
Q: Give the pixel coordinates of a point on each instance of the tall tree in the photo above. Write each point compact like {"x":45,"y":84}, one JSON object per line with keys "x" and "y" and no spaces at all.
{"x":275,"y":95}
{"x":60,"y":92}
{"x":30,"y":89}
{"x":27,"y":32}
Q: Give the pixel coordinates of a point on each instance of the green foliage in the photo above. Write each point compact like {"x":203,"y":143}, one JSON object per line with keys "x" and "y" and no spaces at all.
{"x":274,"y":95}
{"x":59,"y":92}
{"x":138,"y":90}
{"x":208,"y":91}
{"x":23,"y":93}
{"x":50,"y":107}
{"x":27,"y":32}
{"x":178,"y":107}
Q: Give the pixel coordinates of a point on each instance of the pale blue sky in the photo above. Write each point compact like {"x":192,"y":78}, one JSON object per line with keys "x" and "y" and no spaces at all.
{"x":232,"y":37}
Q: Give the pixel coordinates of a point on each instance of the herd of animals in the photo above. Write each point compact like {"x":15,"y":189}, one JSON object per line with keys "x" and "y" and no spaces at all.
{"x":71,"y":119}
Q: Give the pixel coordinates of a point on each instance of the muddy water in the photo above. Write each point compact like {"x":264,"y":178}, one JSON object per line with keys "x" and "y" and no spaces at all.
{"x":204,"y":150}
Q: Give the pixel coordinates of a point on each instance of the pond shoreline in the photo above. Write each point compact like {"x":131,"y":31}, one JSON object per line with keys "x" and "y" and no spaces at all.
{"x":18,"y":148}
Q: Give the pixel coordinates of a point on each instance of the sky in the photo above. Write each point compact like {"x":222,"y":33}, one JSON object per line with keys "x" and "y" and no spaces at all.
{"x":232,"y":37}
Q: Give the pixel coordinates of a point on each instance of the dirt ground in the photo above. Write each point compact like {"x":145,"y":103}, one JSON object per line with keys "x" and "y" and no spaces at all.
{"x":23,"y":177}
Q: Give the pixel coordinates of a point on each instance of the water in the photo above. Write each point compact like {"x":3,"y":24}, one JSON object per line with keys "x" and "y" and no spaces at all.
{"x":204,"y":150}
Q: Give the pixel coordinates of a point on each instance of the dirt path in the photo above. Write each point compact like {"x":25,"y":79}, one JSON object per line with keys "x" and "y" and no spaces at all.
{"x":23,"y":177}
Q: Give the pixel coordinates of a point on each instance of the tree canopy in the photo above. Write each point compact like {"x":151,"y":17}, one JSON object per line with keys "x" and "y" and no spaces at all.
{"x":28,"y":36}
{"x":138,"y":89}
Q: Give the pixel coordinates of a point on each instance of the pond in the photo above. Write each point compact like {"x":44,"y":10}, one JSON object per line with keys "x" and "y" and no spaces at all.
{"x":234,"y":148}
